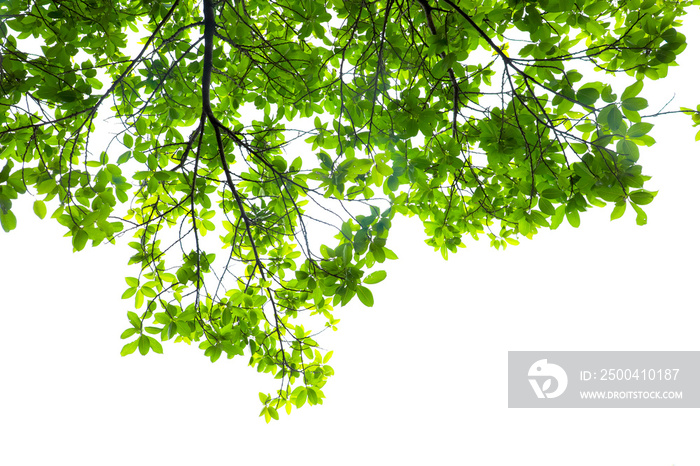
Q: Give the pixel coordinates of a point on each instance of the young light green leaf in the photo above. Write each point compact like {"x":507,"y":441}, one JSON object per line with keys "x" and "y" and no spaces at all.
{"x":127,"y":333}
{"x":134,"y":319}
{"x":300,"y":398}
{"x":130,"y":347}
{"x":641,"y":215}
{"x":558,"y":217}
{"x":132,"y":281}
{"x":327,"y":357}
{"x":375,"y":277}
{"x":39,"y":208}
{"x":618,"y":210}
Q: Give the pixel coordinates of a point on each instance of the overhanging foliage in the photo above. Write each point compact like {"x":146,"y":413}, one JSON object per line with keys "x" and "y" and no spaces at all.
{"x":271,"y":124}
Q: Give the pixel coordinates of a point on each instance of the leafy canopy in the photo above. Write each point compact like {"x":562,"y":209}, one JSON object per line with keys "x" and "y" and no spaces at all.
{"x":262,"y":148}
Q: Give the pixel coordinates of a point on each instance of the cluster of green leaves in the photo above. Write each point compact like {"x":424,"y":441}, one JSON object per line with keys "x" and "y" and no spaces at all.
{"x":389,"y":106}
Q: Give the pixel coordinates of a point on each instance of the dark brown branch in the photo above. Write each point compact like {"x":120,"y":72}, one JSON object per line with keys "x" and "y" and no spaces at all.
{"x":209,"y":32}
{"x":506,"y":59}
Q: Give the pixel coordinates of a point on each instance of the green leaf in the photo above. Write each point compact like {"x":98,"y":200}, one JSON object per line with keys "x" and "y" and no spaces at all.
{"x":641,"y":215}
{"x":639,"y":129}
{"x":144,"y":344}
{"x":365,"y":296}
{"x":546,"y":206}
{"x":635,"y":104}
{"x":155,"y":345}
{"x":642,"y":197}
{"x":551,"y":193}
{"x":132,"y":281}
{"x":614,"y":118}
{"x":665,"y":56}
{"x":596,"y":8}
{"x":148,"y":292}
{"x":39,"y":209}
{"x":587,"y":96}
{"x":629,"y":148}
{"x":375,"y":277}
{"x":392,"y":183}
{"x":300,"y":398}
{"x":573,"y":217}
{"x":8,"y":220}
{"x":5,"y":203}
{"x":171,"y":332}
{"x":46,"y":186}
{"x":134,"y":319}
{"x":384,"y":169}
{"x":327,"y":357}
{"x":183,"y":329}
{"x":632,"y":90}
{"x":633,"y":117}
{"x":5,"y":172}
{"x":312,"y":396}
{"x":361,"y":241}
{"x":130,"y":347}
{"x":523,"y":226}
{"x":361,"y":166}
{"x":215,"y":353}
{"x":80,"y":239}
{"x":162,"y":318}
{"x":558,"y":217}
{"x":618,"y":210}
{"x":67,"y":96}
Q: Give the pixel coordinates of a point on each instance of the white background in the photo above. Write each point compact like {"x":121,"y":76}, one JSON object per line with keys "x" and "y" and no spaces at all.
{"x":420,"y":378}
